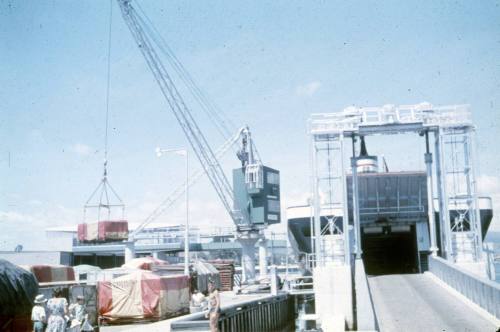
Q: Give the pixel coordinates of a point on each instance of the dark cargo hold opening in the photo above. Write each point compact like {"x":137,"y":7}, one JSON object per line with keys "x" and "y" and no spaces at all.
{"x":390,"y":252}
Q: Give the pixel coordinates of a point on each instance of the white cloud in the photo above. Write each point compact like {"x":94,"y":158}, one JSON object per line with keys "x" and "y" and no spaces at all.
{"x":82,"y":150}
{"x":15,"y":217}
{"x":308,"y":90}
{"x":27,"y":226}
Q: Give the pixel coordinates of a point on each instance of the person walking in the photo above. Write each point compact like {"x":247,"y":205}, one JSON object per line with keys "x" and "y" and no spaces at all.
{"x":38,"y":314}
{"x":57,"y":307}
{"x":213,"y":306}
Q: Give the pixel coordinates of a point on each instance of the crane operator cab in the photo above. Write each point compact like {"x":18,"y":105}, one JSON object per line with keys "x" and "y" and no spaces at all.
{"x":257,"y":194}
{"x":256,"y":188}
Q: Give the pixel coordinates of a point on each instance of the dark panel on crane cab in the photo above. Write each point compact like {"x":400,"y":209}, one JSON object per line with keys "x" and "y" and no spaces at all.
{"x":257,"y":193}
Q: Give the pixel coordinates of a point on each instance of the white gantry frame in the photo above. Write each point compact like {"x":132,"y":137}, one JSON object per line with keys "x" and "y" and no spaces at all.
{"x":460,"y":234}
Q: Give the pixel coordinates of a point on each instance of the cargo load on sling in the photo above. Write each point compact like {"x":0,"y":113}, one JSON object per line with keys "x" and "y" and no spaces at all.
{"x":142,"y":296}
{"x":103,"y":231}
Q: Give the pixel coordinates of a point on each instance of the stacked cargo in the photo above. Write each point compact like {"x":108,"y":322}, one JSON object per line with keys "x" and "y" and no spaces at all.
{"x":51,"y":273}
{"x":203,"y":272}
{"x":103,"y":231}
{"x":142,"y":295}
{"x":226,"y":272}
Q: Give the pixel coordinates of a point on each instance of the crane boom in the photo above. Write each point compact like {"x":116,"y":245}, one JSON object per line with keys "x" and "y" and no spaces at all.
{"x":182,"y":113}
{"x":177,"y":193}
{"x":256,"y":187}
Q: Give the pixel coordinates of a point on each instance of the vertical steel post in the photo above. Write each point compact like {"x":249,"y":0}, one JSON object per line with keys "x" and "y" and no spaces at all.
{"x":430,"y":198}
{"x":469,"y":154}
{"x":345,"y":208}
{"x":262,"y":257}
{"x":311,"y":222}
{"x":317,"y":206}
{"x":186,"y":231}
{"x":355,"y":202}
{"x":444,"y":214}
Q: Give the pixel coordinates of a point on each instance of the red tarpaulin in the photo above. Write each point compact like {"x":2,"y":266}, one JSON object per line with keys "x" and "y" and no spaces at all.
{"x":52,"y":273}
{"x":143,"y":295}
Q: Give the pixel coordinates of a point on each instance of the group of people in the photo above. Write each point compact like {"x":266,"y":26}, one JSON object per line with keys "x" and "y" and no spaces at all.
{"x":54,"y":315}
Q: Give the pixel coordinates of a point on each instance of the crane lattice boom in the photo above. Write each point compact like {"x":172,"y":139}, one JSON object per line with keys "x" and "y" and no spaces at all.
{"x":182,"y":113}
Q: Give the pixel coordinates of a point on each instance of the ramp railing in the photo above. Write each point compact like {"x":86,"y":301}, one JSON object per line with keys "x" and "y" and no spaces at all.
{"x":483,"y":292}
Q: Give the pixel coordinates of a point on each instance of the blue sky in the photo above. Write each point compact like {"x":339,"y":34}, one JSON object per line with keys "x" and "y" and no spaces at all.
{"x":268,"y":64}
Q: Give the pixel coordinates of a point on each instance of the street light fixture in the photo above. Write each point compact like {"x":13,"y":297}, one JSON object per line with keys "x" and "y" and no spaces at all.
{"x":182,"y":152}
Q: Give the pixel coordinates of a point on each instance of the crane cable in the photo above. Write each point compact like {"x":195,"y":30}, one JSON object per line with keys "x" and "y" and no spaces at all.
{"x":222,"y":123}
{"x":104,"y":185}
{"x":108,"y":81}
{"x":219,"y":119}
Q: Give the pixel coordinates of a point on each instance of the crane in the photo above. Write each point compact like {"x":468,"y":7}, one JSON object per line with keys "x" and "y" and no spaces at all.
{"x":253,"y":203}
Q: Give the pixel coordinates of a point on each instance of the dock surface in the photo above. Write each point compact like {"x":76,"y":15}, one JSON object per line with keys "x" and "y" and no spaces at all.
{"x":415,"y":302}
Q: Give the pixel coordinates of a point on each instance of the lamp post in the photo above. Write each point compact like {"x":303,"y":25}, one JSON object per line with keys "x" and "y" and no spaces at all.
{"x":182,"y":152}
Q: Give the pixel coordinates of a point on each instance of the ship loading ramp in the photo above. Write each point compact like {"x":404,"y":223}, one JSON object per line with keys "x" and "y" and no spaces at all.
{"x":387,"y":242}
{"x":416,"y":302}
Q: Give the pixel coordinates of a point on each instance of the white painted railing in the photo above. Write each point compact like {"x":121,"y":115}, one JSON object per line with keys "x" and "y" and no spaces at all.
{"x":351,"y":118}
{"x":483,"y":292}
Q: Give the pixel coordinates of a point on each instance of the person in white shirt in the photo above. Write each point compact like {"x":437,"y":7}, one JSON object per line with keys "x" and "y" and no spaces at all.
{"x":38,"y":314}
